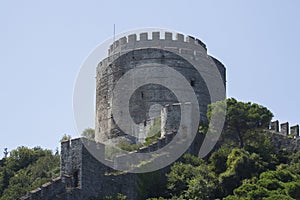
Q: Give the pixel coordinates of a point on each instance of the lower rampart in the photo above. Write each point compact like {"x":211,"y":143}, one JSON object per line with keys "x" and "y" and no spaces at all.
{"x":83,"y":176}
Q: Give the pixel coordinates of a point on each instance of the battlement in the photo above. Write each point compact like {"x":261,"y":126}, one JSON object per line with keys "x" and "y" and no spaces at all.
{"x":285,"y":130}
{"x":180,"y":44}
{"x":48,"y":190}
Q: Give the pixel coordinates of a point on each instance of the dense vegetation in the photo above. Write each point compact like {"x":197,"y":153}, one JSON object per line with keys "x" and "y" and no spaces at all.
{"x":26,"y":169}
{"x":244,"y":165}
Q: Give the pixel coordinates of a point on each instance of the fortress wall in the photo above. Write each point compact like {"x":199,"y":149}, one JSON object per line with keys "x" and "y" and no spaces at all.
{"x":185,"y":43}
{"x":82,"y":174}
{"x":286,"y":138}
{"x":71,"y":158}
{"x":47,"y":191}
{"x":294,"y":130}
{"x":98,"y":179}
{"x":282,"y":142}
{"x":94,"y":176}
{"x":285,"y":129}
{"x":113,"y":67}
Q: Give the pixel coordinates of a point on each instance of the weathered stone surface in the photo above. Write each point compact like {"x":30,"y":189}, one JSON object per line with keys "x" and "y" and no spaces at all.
{"x":82,"y":175}
{"x":284,"y":128}
{"x":275,"y":126}
{"x":126,"y":55}
{"x":294,"y":131}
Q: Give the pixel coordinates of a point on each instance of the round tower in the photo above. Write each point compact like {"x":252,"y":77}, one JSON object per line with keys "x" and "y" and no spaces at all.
{"x":147,"y":101}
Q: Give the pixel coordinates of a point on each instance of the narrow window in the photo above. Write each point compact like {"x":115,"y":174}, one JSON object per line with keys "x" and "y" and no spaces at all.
{"x":192,"y":82}
{"x":142,"y":95}
{"x":76,"y":178}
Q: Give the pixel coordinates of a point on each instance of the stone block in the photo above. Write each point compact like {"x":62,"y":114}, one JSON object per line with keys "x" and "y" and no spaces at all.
{"x":275,"y":126}
{"x":284,"y":128}
{"x":155,"y":35}
{"x":143,"y":36}
{"x":168,"y":36}
{"x":294,"y":130}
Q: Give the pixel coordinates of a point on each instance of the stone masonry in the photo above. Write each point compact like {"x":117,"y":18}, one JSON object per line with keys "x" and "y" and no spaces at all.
{"x":82,"y":175}
{"x":146,"y":102}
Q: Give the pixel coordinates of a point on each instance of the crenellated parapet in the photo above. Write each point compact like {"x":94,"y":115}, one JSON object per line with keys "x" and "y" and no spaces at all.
{"x":49,"y":190}
{"x":285,"y":129}
{"x":180,"y":43}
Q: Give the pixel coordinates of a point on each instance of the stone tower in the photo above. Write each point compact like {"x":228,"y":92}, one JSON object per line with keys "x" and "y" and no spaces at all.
{"x":147,"y":101}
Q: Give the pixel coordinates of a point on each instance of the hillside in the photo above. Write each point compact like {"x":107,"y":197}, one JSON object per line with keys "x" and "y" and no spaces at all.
{"x":247,"y":163}
{"x":26,"y":169}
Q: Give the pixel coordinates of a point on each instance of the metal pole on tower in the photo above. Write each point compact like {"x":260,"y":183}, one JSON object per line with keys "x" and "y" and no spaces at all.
{"x":114,"y":33}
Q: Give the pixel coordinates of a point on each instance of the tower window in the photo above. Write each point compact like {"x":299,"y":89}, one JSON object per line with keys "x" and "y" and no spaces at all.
{"x":142,"y":95}
{"x":76,"y":178}
{"x":192,"y":82}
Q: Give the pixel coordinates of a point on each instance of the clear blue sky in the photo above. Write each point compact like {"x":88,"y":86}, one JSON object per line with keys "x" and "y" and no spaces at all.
{"x":43,"y":44}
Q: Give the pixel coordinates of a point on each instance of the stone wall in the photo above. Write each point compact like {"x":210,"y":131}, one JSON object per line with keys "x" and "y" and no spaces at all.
{"x":47,"y":191}
{"x":83,"y":176}
{"x":285,"y":138}
{"x":292,"y":132}
{"x":128,"y":53}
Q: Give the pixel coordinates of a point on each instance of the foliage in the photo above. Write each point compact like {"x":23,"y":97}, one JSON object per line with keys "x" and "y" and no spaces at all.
{"x":242,"y":117}
{"x":218,"y":160}
{"x":89,"y":133}
{"x":155,"y":130}
{"x":244,"y":165}
{"x":126,"y":146}
{"x":26,"y":169}
{"x":271,"y":185}
{"x":245,"y":177}
{"x":191,"y":179}
{"x":152,"y":136}
{"x":149,"y":182}
{"x":240,"y":165}
{"x":65,"y":137}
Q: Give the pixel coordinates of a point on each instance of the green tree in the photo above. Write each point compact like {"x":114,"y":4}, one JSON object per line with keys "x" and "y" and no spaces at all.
{"x":26,"y":169}
{"x":191,"y":179}
{"x":242,"y":117}
{"x":201,"y":187}
{"x":240,"y":165}
{"x":274,"y":184}
{"x":89,"y":133}
{"x":218,"y":159}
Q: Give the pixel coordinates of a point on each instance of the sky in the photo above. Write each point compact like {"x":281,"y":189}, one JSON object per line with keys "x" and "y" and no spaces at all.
{"x":43,"y":45}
